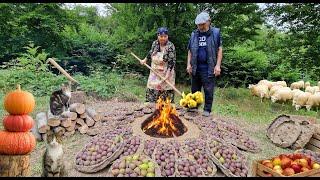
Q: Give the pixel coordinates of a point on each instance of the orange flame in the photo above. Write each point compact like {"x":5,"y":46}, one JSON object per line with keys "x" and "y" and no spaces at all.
{"x":163,"y":123}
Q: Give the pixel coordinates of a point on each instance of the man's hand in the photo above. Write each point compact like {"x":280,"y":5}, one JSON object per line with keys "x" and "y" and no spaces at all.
{"x":217,"y":70}
{"x":189,"y":69}
{"x":144,"y":61}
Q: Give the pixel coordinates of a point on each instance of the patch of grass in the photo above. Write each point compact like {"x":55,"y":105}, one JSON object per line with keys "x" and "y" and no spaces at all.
{"x":239,"y":103}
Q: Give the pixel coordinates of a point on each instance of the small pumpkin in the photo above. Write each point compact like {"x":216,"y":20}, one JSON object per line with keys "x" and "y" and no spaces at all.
{"x":18,"y":123}
{"x":19,"y":102}
{"x":16,"y":143}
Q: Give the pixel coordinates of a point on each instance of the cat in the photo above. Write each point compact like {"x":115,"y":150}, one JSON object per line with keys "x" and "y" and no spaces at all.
{"x":59,"y":99}
{"x":53,"y":161}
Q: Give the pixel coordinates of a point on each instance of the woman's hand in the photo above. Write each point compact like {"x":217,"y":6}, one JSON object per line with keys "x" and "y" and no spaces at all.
{"x":189,"y":69}
{"x":144,"y":61}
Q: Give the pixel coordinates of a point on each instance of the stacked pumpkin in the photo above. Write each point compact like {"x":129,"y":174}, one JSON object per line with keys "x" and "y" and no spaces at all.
{"x":17,"y":139}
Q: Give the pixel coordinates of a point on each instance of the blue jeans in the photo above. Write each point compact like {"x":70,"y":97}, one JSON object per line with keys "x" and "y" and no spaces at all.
{"x":200,"y":80}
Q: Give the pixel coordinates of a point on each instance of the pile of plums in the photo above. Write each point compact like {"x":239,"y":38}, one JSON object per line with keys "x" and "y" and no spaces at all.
{"x":165,"y":157}
{"x":131,"y":146}
{"x":98,"y":150}
{"x":229,"y":157}
{"x":149,"y":146}
{"x":188,"y":168}
{"x":196,"y":149}
{"x":133,"y":166}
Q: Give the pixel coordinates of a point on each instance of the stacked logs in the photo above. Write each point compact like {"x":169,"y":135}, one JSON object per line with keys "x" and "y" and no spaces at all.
{"x":78,"y":118}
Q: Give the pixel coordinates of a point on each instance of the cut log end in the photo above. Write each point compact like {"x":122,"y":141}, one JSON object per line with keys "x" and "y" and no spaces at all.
{"x":14,"y":166}
{"x":78,"y":108}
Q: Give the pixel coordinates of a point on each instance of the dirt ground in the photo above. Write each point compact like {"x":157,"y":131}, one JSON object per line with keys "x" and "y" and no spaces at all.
{"x":75,"y":143}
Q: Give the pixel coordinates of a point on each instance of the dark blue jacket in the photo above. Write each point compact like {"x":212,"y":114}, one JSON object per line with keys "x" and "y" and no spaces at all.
{"x":212,"y":49}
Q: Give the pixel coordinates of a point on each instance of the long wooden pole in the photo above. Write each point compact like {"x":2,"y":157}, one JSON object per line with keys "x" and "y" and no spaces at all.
{"x":171,"y":85}
{"x":53,"y":62}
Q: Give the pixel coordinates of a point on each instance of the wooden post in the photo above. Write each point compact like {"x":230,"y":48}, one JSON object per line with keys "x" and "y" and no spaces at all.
{"x":14,"y":165}
{"x":53,"y":62}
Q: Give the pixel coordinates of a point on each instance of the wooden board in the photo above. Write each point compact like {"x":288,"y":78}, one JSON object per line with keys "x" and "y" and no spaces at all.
{"x":315,"y":142}
{"x":312,"y":148}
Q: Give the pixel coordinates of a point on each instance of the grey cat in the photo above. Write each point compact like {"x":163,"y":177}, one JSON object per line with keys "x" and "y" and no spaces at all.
{"x":53,"y":161}
{"x":59,"y":100}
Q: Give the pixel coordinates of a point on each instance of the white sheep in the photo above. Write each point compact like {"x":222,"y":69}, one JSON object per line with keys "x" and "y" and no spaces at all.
{"x":297,"y":85}
{"x":266,"y":82}
{"x":283,"y":94}
{"x":312,"y":89}
{"x":274,"y":89}
{"x":281,"y":83}
{"x":313,"y":101}
{"x":295,"y":94}
{"x":260,"y":90}
{"x":301,"y":100}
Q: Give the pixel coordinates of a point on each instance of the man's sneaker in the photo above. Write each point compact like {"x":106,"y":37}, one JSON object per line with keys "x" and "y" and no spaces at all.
{"x":206,"y":113}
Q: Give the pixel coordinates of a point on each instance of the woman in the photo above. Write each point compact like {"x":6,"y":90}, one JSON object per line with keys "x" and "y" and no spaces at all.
{"x":163,"y":60}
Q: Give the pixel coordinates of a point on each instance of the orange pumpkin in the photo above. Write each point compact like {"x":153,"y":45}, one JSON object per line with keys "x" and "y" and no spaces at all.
{"x":19,"y":102}
{"x":18,"y":123}
{"x":16,"y":143}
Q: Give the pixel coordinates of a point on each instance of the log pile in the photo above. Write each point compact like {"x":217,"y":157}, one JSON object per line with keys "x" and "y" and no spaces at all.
{"x":78,"y":118}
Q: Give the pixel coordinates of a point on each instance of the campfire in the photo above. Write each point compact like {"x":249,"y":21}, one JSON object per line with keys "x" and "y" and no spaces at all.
{"x":164,"y":122}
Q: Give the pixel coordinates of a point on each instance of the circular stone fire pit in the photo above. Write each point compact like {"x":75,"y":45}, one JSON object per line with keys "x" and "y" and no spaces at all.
{"x":192,"y":131}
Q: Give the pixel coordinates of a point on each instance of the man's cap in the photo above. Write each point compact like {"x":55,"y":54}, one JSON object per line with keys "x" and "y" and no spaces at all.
{"x":162,"y":30}
{"x":203,"y":17}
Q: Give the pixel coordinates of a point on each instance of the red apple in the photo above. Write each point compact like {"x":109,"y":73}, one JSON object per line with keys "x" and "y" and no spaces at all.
{"x":308,"y":158}
{"x":290,"y":156}
{"x":276,"y":161}
{"x":269,"y":165}
{"x":303,"y":162}
{"x":285,"y":162}
{"x":281,"y":156}
{"x":297,"y":156}
{"x":296,"y":168}
{"x":288,"y":172}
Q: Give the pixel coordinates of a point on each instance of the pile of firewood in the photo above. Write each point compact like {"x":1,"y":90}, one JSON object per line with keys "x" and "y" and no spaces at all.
{"x":78,"y":118}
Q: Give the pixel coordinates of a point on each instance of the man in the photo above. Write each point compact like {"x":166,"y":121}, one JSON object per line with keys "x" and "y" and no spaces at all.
{"x":204,"y":58}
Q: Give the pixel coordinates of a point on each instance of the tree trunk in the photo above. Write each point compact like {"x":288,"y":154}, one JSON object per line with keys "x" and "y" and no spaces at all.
{"x":78,"y":108}
{"x":80,"y":121}
{"x":14,"y":165}
{"x":83,"y":129}
{"x":53,"y":120}
{"x":83,"y":116}
{"x":93,"y":114}
{"x":42,"y":122}
{"x":89,"y":121}
{"x":68,"y":114}
{"x":66,"y":122}
{"x":72,"y":127}
{"x":59,"y":129}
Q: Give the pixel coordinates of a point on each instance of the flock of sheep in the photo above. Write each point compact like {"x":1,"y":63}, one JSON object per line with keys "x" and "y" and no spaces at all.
{"x":279,"y":92}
